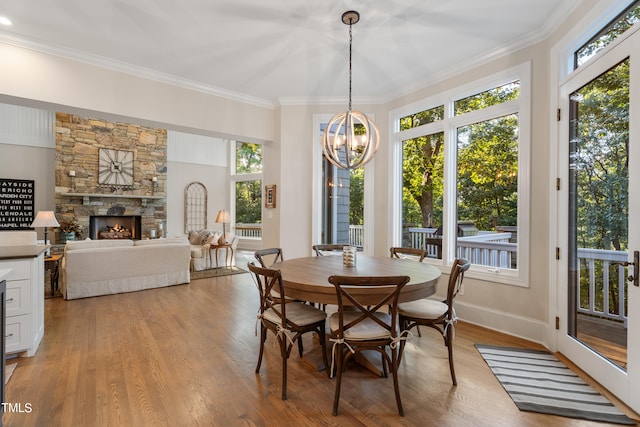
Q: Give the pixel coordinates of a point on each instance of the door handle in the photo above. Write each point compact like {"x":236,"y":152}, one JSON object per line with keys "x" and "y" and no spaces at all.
{"x":635,"y":277}
{"x":636,"y":269}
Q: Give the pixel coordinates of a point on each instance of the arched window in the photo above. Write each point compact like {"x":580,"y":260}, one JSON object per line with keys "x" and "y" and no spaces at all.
{"x":195,"y":207}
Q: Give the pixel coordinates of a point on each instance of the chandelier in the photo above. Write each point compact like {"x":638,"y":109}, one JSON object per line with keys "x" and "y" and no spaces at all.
{"x":350,"y":139}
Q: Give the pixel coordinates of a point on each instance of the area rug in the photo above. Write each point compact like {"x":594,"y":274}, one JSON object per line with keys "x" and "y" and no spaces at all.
{"x":538,"y":382}
{"x":216,"y":272}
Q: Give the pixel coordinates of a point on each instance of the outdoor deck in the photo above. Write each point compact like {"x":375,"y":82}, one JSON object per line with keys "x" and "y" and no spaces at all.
{"x":607,"y":337}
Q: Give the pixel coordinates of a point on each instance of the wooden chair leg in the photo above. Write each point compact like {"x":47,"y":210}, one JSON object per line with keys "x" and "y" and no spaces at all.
{"x":449,"y":342}
{"x":300,"y":347}
{"x":283,"y":351}
{"x":263,"y":338}
{"x":322,"y":339}
{"x":396,"y":387}
{"x":339,"y":357}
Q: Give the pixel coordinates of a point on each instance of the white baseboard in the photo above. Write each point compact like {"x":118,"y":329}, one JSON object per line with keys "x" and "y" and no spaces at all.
{"x":507,"y":323}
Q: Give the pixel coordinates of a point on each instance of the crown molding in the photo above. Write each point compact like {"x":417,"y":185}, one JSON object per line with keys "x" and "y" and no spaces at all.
{"x":145,"y":73}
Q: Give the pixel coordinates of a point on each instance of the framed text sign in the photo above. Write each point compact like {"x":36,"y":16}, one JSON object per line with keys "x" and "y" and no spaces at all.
{"x":16,"y":204}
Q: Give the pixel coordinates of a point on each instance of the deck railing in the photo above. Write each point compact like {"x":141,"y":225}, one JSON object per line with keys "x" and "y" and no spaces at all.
{"x":608,"y":260}
{"x":356,"y":235}
{"x":249,"y":230}
{"x":494,"y":250}
{"x":487,"y":248}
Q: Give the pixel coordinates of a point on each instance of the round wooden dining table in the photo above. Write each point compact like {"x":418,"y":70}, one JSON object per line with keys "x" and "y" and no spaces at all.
{"x":307,"y":279}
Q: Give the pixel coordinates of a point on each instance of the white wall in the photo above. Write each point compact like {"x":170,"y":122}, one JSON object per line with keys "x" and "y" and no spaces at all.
{"x":198,"y":158}
{"x":27,"y":151}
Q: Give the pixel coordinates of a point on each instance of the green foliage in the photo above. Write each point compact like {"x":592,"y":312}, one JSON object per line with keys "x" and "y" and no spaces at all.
{"x":488,"y":172}
{"x":248,"y":157}
{"x":487,"y":165}
{"x":600,"y":175}
{"x":422,"y":118}
{"x":356,"y":197}
{"x":488,"y":98}
{"x":249,"y":202}
{"x":608,"y":34}
{"x":422,"y":172}
{"x":601,"y":160}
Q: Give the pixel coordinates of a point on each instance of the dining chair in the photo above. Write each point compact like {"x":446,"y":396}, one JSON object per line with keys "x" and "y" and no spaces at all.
{"x":329,"y":249}
{"x":273,"y":254}
{"x":364,"y":327}
{"x":409,"y":253}
{"x":439,"y":315}
{"x":288,"y":321}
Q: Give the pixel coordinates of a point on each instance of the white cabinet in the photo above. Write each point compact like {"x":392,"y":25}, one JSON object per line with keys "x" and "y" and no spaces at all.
{"x":25,"y":304}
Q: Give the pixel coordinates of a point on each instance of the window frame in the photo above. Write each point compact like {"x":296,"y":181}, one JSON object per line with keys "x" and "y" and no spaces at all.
{"x":449,"y":125}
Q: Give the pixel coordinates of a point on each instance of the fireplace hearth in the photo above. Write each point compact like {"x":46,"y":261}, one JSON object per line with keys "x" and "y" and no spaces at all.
{"x":115,"y":227}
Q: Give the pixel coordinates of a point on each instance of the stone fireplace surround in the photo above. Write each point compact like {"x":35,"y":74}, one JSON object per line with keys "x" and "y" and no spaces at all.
{"x":78,"y":192}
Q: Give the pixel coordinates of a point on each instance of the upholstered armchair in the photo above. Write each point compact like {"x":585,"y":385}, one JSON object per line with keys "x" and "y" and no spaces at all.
{"x":201,"y":242}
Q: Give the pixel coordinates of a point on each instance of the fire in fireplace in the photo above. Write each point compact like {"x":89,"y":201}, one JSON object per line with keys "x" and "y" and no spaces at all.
{"x":115,"y":227}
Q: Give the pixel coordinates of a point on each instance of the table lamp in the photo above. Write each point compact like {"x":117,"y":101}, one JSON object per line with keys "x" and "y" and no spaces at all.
{"x":223,"y":217}
{"x":45,"y":219}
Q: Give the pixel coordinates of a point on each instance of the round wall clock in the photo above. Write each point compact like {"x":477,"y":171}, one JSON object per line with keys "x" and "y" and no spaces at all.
{"x":115,"y":167}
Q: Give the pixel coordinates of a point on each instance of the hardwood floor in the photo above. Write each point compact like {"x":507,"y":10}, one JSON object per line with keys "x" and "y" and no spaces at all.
{"x":185,"y":356}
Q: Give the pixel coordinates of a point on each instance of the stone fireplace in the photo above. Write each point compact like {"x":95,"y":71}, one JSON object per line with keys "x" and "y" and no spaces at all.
{"x":82,"y":191}
{"x":115,"y":227}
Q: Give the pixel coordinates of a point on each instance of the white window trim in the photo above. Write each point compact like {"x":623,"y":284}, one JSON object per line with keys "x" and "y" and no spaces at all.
{"x":449,"y":124}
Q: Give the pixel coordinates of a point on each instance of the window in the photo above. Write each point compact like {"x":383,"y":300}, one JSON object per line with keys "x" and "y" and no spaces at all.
{"x":461,"y":176}
{"x":195,"y":207}
{"x":625,"y":20}
{"x":247,"y":189}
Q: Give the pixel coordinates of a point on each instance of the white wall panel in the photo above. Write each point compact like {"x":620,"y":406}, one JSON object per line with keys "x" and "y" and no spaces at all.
{"x":27,"y":126}
{"x":197,"y":149}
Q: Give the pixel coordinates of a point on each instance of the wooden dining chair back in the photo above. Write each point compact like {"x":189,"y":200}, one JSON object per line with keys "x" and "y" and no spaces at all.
{"x":288,"y":321}
{"x":268,"y":257}
{"x":365,"y":326}
{"x":329,"y":249}
{"x":439,"y":315}
{"x":408,"y":253}
{"x":416,"y":254}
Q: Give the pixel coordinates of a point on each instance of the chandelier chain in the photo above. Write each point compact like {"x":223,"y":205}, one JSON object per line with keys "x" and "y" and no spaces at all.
{"x":350,"y":139}
{"x":350,"y":72}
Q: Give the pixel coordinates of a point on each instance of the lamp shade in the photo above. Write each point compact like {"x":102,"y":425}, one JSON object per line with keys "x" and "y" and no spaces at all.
{"x":223,"y":216}
{"x":45,"y":219}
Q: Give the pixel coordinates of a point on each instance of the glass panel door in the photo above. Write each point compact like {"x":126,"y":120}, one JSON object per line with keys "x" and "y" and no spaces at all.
{"x":598,"y":213}
{"x":598,"y":152}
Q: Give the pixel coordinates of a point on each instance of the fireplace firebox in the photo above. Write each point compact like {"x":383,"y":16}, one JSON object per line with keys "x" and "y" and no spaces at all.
{"x":115,"y":227}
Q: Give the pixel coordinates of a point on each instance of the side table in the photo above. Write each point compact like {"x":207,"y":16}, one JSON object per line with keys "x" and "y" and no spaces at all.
{"x":52,"y":263}
{"x":228,"y":254}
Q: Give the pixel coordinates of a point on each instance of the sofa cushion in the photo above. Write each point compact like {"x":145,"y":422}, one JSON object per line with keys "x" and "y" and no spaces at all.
{"x":171,"y":240}
{"x":213,"y":238}
{"x":204,"y":236}
{"x":193,"y":237}
{"x":105,"y":243}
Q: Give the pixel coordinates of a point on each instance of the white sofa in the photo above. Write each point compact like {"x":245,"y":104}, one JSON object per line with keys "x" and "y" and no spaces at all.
{"x":102,"y":267}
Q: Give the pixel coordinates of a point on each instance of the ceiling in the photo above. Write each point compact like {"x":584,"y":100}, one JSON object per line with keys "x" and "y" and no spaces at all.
{"x":283,"y":51}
